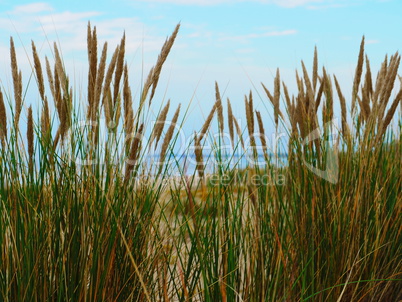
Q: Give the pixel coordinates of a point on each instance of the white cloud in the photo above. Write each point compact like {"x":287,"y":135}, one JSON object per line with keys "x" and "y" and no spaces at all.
{"x":283,"y":3}
{"x":292,"y":3}
{"x":39,"y":21}
{"x":193,"y":2}
{"x":279,"y":33}
{"x":39,"y":18}
{"x":245,"y":38}
{"x":32,"y":8}
{"x":245,"y":50}
{"x":61,"y":22}
{"x":309,"y":4}
{"x":326,"y":6}
{"x":44,"y":25}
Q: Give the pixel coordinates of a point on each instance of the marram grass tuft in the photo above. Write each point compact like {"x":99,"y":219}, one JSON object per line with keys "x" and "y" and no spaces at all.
{"x":82,"y":219}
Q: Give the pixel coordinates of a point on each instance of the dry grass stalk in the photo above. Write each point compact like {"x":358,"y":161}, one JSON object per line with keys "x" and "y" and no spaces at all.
{"x":116,"y":101}
{"x":230,"y":122}
{"x":92,"y":47}
{"x":169,"y":135}
{"x":319,"y":93}
{"x":301,"y":114}
{"x":94,"y":53}
{"x":30,"y":138}
{"x":309,"y":106}
{"x":364,"y":114}
{"x":3,"y":120}
{"x":219,"y":108}
{"x":390,"y":114}
{"x":60,"y":70}
{"x":310,"y":92}
{"x":275,"y":98}
{"x":117,"y":76}
{"x":50,"y":78}
{"x":160,"y":123}
{"x":161,"y":60}
{"x":328,"y":111}
{"x":270,"y":96}
{"x":300,"y":86}
{"x":358,"y":75}
{"x":277,"y":88}
{"x":295,"y":119}
{"x":367,"y":91}
{"x":98,"y":85}
{"x":89,"y":40}
{"x":106,"y":99}
{"x":207,"y":122}
{"x":146,"y":87}
{"x":17,"y":83}
{"x":301,"y":109}
{"x":128,"y":123}
{"x":57,"y":95}
{"x":198,"y":156}
{"x":291,"y":110}
{"x":251,"y":107}
{"x":277,"y":94}
{"x":117,"y":112}
{"x":262,"y":134}
{"x":154,"y":73}
{"x":57,"y":99}
{"x":289,"y":105}
{"x":38,"y":70}
{"x":365,"y":103}
{"x":62,"y":105}
{"x":239,"y":132}
{"x":380,"y":82}
{"x":134,"y":152}
{"x":272,"y":99}
{"x":389,"y":71}
{"x":307,"y":120}
{"x":345,"y":127}
{"x":367,"y":79}
{"x":93,"y":105}
{"x":45,"y":120}
{"x":389,"y":83}
{"x":250,"y":118}
{"x":67,"y":106}
{"x":315,"y":69}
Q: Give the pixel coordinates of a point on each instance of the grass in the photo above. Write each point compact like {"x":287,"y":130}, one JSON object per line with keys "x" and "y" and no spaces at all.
{"x":121,"y":228}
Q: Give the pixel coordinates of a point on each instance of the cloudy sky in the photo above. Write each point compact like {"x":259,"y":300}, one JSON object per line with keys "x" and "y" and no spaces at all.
{"x":238,"y":43}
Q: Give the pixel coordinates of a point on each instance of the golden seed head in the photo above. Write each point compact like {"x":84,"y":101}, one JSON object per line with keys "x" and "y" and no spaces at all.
{"x":219,"y":107}
{"x":38,"y":70}
{"x":207,"y":122}
{"x":161,"y":60}
{"x":3,"y":119}
{"x":230,"y":122}
{"x":169,"y":134}
{"x":159,"y":125}
{"x":30,"y":133}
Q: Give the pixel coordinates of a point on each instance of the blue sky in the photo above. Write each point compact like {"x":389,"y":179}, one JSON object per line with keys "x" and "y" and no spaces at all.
{"x":237,"y":43}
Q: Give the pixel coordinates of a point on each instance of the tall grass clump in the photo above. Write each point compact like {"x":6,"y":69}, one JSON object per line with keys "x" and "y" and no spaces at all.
{"x":89,"y":217}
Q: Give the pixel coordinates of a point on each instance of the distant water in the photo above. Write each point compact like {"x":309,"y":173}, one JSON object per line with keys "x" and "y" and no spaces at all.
{"x":187,"y":162}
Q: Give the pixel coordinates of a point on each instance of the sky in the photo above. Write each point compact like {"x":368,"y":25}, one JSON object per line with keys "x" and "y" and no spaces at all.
{"x":237,"y":43}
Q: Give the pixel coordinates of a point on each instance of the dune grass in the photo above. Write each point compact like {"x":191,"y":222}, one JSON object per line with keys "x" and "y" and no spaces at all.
{"x":86,"y":217}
